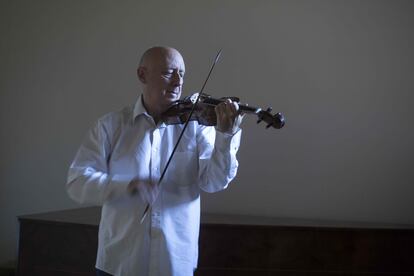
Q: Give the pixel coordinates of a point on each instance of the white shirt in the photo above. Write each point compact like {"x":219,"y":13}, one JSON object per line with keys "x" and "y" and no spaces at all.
{"x":127,"y":144}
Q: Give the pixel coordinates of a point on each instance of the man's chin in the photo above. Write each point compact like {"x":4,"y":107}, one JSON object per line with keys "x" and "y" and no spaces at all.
{"x":171,"y":96}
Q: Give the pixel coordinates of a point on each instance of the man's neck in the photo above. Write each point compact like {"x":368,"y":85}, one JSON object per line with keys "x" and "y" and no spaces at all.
{"x":155,"y":114}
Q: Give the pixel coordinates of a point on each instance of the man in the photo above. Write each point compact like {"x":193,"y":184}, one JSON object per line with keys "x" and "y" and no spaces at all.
{"x":121,"y":161}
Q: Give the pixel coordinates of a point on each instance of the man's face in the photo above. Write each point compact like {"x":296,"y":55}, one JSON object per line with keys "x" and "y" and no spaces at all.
{"x":163,"y":79}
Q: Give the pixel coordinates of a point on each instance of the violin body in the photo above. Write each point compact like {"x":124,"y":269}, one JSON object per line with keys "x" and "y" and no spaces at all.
{"x":179,"y":112}
{"x":204,"y":111}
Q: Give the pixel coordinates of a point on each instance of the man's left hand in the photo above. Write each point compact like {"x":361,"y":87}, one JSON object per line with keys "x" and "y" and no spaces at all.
{"x":228,"y":117}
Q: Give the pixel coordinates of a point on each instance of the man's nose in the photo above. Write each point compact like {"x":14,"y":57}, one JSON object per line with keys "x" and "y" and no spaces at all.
{"x":177,"y":79}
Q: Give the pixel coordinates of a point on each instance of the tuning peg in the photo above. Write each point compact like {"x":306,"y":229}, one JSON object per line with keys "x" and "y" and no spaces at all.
{"x":260,"y":118}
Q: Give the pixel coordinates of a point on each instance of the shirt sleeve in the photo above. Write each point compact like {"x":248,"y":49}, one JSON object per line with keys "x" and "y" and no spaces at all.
{"x":217,"y":161}
{"x":88,"y":179}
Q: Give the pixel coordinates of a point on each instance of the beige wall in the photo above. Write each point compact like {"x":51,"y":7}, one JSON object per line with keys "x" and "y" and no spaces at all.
{"x":341,"y":71}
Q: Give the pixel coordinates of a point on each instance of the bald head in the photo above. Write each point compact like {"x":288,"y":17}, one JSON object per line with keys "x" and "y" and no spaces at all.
{"x":161,"y":71}
{"x":155,"y":53}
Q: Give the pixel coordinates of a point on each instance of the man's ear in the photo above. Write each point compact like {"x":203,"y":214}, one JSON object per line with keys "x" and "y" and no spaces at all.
{"x":142,"y":74}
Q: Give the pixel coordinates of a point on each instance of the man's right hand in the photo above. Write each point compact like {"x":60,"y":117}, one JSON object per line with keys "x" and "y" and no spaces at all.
{"x":146,"y":190}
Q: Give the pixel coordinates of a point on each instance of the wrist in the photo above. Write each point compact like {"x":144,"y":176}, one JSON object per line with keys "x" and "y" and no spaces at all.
{"x":132,"y":187}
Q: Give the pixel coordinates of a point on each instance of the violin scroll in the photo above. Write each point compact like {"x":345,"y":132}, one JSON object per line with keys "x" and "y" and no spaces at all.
{"x":276,"y":121}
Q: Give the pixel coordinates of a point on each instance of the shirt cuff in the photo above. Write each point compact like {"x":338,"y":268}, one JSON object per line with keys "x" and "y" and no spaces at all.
{"x":119,"y":185}
{"x":225,"y":141}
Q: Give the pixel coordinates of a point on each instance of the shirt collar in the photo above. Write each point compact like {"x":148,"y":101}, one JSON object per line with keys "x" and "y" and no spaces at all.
{"x":139,"y":108}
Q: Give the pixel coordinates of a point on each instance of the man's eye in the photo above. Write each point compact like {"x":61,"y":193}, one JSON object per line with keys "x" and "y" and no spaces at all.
{"x":170,"y":74}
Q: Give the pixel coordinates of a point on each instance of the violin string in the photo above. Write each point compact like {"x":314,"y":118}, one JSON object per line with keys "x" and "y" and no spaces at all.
{"x":147,"y":208}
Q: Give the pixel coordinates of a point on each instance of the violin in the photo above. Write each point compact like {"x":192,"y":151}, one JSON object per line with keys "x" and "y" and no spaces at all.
{"x":204,"y":113}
